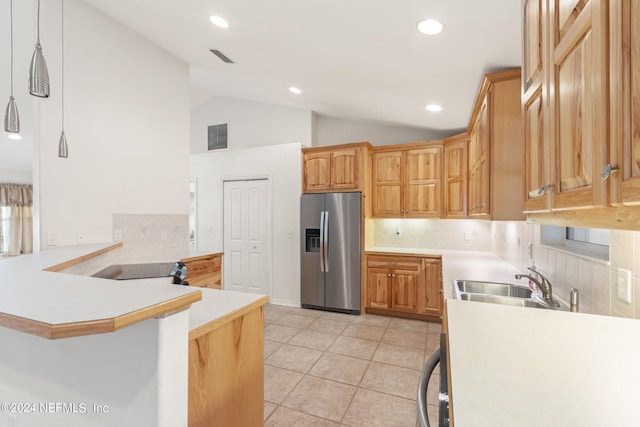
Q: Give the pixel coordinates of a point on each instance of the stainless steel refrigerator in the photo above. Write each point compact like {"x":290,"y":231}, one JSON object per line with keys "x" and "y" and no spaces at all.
{"x":330,"y":251}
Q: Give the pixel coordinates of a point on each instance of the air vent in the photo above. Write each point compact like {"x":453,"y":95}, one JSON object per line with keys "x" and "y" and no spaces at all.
{"x":222,"y":56}
{"x":217,"y":137}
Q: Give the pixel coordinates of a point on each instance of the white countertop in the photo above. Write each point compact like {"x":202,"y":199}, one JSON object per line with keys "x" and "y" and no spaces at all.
{"x":55,"y":298}
{"x":216,"y":304}
{"x":513,"y":366}
{"x":32,"y":299}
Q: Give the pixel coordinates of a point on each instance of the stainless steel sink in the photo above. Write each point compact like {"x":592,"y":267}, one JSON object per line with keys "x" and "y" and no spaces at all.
{"x":518,"y":302}
{"x":497,"y":293}
{"x":491,"y":288}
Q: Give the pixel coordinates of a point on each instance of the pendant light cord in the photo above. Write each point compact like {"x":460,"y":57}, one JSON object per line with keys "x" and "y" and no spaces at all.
{"x":38,"y":33}
{"x":11,"y":27}
{"x":62,"y":43}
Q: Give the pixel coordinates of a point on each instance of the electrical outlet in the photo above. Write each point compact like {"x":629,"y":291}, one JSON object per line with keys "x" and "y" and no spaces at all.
{"x":530,"y":250}
{"x":468,"y":236}
{"x":117,"y":235}
{"x":290,"y":234}
{"x":624,"y":285}
{"x":163,"y":235}
{"x":51,"y":239}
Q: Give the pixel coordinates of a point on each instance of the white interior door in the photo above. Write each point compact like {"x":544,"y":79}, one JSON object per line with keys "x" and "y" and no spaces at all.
{"x":246,"y":237}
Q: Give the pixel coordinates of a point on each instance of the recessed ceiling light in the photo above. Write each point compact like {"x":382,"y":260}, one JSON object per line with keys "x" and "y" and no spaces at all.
{"x":15,"y":136}
{"x":219,"y":21}
{"x":295,"y":90}
{"x":434,"y":108}
{"x":430,"y":27}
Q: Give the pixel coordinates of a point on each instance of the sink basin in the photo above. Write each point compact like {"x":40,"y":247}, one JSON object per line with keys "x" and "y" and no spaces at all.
{"x":518,"y":302}
{"x":497,"y":293}
{"x":491,"y":288}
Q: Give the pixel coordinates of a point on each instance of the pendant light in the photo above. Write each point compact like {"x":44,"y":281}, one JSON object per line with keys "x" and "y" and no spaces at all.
{"x":63,"y":150}
{"x":11,"y":117}
{"x":38,"y":73}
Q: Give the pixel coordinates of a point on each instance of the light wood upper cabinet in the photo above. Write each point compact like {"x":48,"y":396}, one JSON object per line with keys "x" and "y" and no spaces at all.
{"x":479,"y":162}
{"x":335,"y":168}
{"x":496,"y":142}
{"x":578,"y":103}
{"x":455,"y":176}
{"x":423,"y":182}
{"x":407,"y":183}
{"x":624,"y":31}
{"x":536,"y":148}
{"x":388,"y":182}
{"x":565,"y":114}
{"x":316,"y":171}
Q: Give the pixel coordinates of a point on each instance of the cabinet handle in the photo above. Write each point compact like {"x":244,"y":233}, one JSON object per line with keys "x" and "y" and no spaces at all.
{"x":540,"y":191}
{"x":608,"y":170}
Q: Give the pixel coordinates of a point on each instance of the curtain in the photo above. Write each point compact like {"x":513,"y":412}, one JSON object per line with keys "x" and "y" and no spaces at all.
{"x":19,"y":198}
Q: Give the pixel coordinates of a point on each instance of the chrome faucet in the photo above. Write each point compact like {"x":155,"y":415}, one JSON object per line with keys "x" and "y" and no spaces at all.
{"x":543,"y":284}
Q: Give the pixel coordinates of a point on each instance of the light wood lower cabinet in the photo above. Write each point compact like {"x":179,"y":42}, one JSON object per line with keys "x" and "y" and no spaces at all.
{"x":226,"y":370}
{"x":204,"y":271}
{"x":404,"y":286}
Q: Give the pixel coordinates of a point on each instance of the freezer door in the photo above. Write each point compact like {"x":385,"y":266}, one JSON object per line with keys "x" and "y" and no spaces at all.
{"x":312,"y":207}
{"x":342,"y":278}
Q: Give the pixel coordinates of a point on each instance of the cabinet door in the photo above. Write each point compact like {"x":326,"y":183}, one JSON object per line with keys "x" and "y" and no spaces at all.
{"x":423,"y":178}
{"x":625,"y":101}
{"x":378,"y":284}
{"x":388,"y":171}
{"x":316,"y":171}
{"x":403,"y":289}
{"x":344,"y":169}
{"x":455,"y":179}
{"x":536,"y":155}
{"x":430,"y":294}
{"x":532,"y":58}
{"x":479,"y":190}
{"x":579,"y":103}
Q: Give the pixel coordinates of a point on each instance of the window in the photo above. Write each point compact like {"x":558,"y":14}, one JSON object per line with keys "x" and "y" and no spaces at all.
{"x":5,"y":217}
{"x":591,"y":242}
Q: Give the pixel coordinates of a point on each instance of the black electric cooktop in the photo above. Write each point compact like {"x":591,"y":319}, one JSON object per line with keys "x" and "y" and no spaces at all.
{"x":136,"y":271}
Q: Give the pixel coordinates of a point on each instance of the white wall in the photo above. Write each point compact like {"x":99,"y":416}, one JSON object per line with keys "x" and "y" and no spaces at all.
{"x":127,"y":125}
{"x":281,"y":164}
{"x":251,"y":124}
{"x":16,"y":177}
{"x":332,"y":131}
{"x":139,"y":373}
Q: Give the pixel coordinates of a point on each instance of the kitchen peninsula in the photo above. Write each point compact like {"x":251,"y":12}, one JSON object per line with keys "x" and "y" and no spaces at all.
{"x":112,"y":353}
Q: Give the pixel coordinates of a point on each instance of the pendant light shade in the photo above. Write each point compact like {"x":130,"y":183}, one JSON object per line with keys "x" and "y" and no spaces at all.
{"x":11,"y":116}
{"x":63,"y":150}
{"x":38,"y":72}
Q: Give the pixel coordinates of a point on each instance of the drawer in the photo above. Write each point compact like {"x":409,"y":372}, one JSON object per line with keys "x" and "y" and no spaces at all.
{"x":393,"y":263}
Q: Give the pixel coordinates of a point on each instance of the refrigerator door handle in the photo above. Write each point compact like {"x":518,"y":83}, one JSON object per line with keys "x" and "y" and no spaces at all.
{"x":322,"y":241}
{"x":326,"y":241}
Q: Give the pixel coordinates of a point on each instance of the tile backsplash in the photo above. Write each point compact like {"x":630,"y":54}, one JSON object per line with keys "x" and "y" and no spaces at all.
{"x":459,"y":234}
{"x":595,"y":279}
{"x":148,"y":235}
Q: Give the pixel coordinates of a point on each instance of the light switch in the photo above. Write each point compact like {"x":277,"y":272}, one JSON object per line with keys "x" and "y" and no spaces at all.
{"x":468,"y":235}
{"x":624,"y":285}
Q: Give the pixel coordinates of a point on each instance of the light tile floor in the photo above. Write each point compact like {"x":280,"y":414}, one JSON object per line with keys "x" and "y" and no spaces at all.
{"x":332,"y":369}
